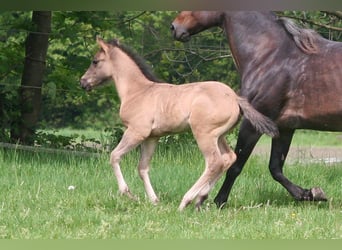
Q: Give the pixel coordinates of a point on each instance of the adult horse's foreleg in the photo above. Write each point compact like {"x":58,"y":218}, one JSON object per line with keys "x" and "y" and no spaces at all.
{"x":247,"y":139}
{"x":280,"y":148}
{"x":128,"y":141}
{"x":147,"y":150}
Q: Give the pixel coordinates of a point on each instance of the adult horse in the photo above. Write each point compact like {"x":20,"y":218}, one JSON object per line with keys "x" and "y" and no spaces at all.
{"x":290,"y":74}
{"x":150,"y":110}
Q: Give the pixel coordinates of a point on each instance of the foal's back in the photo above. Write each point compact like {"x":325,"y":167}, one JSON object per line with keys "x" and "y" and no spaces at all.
{"x":176,"y":108}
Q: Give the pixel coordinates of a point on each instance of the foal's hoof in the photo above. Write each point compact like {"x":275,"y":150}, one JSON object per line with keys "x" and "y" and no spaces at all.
{"x":155,"y":201}
{"x":199,"y":201}
{"x":129,"y":195}
{"x":183,"y":205}
{"x":318,"y":194}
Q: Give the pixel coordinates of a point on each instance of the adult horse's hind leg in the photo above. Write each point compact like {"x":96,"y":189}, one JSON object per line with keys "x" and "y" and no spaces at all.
{"x":280,"y":148}
{"x":129,"y":141}
{"x":147,"y":150}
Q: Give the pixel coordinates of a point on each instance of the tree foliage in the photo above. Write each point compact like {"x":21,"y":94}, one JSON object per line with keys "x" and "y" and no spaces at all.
{"x":72,"y":45}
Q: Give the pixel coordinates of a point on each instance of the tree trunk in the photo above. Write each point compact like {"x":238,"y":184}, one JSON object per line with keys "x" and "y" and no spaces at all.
{"x":36,"y":46}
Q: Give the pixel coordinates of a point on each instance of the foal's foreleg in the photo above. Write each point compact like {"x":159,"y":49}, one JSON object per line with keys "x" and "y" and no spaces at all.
{"x":129,"y":141}
{"x":147,"y":150}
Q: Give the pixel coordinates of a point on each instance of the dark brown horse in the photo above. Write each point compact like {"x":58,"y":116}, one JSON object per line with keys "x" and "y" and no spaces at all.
{"x":290,"y":74}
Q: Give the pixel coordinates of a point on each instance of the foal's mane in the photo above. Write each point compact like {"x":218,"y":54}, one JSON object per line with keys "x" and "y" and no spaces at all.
{"x":305,"y":39}
{"x":140,"y":62}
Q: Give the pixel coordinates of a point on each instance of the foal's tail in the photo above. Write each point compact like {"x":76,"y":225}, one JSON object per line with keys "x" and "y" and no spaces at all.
{"x":260,"y":122}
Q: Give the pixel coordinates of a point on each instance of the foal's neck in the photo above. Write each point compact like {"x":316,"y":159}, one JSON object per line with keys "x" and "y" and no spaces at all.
{"x":128,"y":78}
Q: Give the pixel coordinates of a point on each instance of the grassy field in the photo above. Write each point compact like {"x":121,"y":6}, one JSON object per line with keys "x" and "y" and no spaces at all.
{"x":36,"y":203}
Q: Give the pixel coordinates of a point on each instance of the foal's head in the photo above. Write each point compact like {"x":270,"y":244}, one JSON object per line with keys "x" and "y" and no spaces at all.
{"x":100,"y":69}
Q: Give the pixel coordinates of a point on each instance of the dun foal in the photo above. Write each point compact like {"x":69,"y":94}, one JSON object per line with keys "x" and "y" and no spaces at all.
{"x":150,"y":110}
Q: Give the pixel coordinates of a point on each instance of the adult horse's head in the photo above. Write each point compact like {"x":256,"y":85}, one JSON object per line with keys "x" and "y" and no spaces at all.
{"x":189,"y":23}
{"x":100,"y":69}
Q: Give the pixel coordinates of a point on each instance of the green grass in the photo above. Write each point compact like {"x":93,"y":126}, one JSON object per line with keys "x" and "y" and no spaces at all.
{"x":35,"y":202}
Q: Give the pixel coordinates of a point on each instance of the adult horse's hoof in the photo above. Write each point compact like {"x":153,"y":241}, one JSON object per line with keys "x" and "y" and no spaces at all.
{"x":220,"y":202}
{"x":318,"y":194}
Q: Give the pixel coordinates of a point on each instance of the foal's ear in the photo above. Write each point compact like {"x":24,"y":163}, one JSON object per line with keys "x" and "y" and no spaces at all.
{"x":102,"y":44}
{"x":117,"y":42}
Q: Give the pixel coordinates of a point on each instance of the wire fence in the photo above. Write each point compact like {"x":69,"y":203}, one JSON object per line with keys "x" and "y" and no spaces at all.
{"x":38,"y":149}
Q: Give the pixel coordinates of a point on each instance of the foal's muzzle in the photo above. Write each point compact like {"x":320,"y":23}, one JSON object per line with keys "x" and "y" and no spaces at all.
{"x":85,"y":84}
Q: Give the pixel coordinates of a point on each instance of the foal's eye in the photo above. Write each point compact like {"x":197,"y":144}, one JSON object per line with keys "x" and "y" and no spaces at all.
{"x":95,"y":62}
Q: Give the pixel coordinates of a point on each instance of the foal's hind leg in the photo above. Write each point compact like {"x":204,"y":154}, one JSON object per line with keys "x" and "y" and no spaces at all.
{"x":227,"y":153}
{"x":228,"y":157}
{"x":213,"y":169}
{"x":129,"y":141}
{"x":147,"y":150}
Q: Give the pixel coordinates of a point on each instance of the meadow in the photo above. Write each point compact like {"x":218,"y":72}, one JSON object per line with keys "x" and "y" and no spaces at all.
{"x":37,"y":200}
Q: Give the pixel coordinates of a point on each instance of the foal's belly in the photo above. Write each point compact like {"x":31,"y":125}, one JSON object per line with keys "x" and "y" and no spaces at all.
{"x":169,"y":126}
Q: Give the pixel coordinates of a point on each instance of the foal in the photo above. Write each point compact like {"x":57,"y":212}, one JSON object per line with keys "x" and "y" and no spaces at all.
{"x":150,"y":110}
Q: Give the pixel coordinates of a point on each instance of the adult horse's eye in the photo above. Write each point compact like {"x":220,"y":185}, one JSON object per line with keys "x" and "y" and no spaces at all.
{"x":95,"y":62}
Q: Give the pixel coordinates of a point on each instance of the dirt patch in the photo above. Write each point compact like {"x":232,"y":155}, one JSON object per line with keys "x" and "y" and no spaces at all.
{"x":306,"y":154}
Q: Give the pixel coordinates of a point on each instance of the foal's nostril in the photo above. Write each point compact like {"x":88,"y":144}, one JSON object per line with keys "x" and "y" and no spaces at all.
{"x":172,"y":27}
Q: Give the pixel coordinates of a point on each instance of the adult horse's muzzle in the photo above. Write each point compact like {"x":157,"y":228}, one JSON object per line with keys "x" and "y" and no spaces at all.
{"x":179,"y":34}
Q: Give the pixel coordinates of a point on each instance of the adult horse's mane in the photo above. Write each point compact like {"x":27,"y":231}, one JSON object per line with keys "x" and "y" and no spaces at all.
{"x":305,"y":39}
{"x":141,"y":63}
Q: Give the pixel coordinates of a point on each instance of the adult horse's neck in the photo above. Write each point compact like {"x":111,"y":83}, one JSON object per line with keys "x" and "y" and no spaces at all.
{"x":253,"y":37}
{"x":128,"y":78}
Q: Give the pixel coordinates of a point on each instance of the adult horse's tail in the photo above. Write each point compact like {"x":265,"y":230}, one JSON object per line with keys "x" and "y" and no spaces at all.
{"x":260,"y":122}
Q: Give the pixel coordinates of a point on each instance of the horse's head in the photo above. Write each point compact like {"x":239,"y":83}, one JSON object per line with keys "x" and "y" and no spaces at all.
{"x":189,"y":23}
{"x":100,"y":69}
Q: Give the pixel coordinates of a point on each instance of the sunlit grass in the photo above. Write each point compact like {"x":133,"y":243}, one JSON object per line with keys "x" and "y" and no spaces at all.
{"x":35,"y":201}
